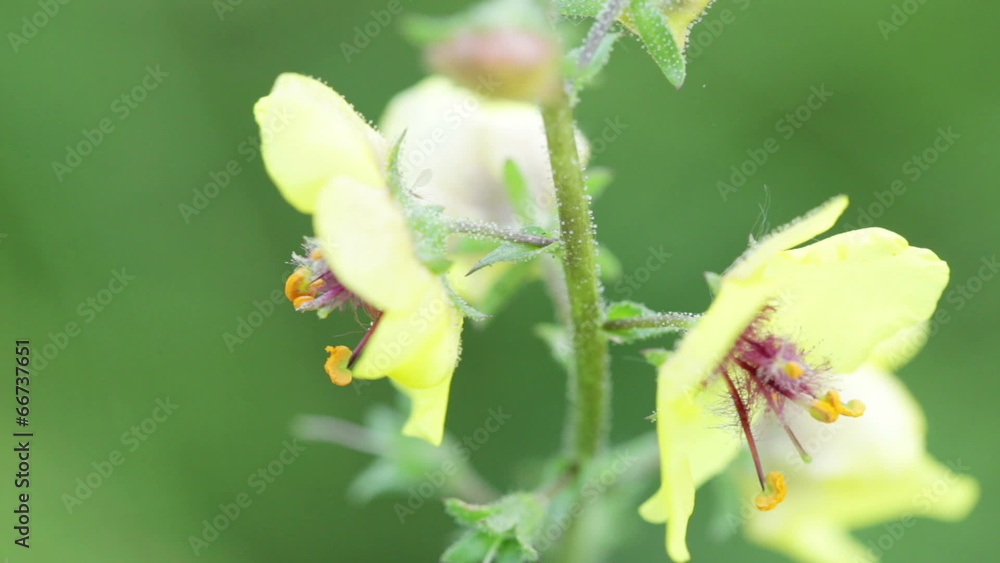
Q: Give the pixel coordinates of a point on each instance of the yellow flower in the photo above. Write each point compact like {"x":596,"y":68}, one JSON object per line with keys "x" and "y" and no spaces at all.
{"x":781,"y":322}
{"x":864,"y":472}
{"x":326,"y":160}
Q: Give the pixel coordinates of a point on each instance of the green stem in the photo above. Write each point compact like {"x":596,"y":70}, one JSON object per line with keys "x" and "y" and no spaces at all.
{"x":494,"y":232}
{"x":678,"y":321}
{"x":589,"y":382}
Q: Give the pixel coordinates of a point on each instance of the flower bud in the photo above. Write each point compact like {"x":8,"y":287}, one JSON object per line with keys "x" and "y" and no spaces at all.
{"x":511,"y":63}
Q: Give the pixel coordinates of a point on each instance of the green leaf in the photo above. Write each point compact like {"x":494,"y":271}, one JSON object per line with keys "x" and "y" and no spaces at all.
{"x":518,"y":190}
{"x":580,"y":8}
{"x":656,"y":356}
{"x":473,"y":546}
{"x":402,"y":461}
{"x":514,"y":251}
{"x":467,"y":514}
{"x":651,"y":24}
{"x":463,"y":305}
{"x":582,"y":76}
{"x":597,"y":179}
{"x":504,"y":530}
{"x":628,"y":309}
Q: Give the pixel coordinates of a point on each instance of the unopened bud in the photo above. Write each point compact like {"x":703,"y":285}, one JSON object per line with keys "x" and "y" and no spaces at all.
{"x":508,"y":63}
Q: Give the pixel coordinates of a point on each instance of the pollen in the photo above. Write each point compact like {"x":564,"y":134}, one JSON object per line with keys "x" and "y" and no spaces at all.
{"x":296,"y":286}
{"x":774,"y":491}
{"x":794,"y":369}
{"x":831,"y":407}
{"x":336,"y":365}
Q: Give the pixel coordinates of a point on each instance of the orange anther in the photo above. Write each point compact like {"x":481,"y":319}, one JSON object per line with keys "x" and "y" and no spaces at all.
{"x":336,"y":365}
{"x":774,"y":491}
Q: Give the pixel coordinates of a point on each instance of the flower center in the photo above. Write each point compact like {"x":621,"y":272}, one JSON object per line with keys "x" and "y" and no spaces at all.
{"x":768,"y":372}
{"x":314,"y":287}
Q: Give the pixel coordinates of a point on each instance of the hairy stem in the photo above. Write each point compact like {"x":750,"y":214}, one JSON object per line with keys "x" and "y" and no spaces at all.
{"x":589,"y":382}
{"x":495,"y":232}
{"x":678,"y":321}
{"x":605,"y":19}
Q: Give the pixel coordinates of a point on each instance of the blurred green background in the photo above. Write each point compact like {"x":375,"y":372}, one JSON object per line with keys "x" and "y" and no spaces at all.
{"x":64,"y":237}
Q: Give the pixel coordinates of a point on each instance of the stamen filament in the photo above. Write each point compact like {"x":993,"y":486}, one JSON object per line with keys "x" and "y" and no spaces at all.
{"x":744,"y":415}
{"x":788,"y":430}
{"x":364,"y":340}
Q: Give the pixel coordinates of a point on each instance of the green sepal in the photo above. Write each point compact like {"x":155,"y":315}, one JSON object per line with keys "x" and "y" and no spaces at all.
{"x":515,"y":251}
{"x":651,"y":25}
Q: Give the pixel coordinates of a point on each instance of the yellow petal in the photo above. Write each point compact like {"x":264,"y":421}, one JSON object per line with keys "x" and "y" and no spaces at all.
{"x":865,"y":472}
{"x":428,"y":408}
{"x":416,"y":347}
{"x":811,"y":224}
{"x":367,"y":242}
{"x":901,"y":347}
{"x":693,"y":449}
{"x":842,"y":296}
{"x":310,"y":134}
